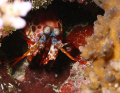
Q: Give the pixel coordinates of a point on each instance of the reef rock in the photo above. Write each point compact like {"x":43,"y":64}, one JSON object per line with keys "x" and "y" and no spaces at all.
{"x":103,"y":48}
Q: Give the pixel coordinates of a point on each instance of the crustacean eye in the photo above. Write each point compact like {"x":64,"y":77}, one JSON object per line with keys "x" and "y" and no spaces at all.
{"x":56,"y":31}
{"x":46,"y":30}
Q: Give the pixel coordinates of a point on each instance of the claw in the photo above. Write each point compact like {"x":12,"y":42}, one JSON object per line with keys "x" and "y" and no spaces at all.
{"x":51,"y":55}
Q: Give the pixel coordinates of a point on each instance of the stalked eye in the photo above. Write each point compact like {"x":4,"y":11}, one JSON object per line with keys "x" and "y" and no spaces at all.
{"x":46,"y":30}
{"x":56,"y":31}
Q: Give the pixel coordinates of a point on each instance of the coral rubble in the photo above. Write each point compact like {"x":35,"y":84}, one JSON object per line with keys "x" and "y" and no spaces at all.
{"x":40,"y":3}
{"x":37,"y":4}
{"x":103,"y":47}
{"x":76,"y":78}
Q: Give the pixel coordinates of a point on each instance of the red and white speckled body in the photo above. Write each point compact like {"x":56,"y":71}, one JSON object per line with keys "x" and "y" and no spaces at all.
{"x":34,"y":31}
{"x":44,"y":37}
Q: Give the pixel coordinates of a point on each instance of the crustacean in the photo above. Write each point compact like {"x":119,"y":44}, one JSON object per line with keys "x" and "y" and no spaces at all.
{"x":44,"y":37}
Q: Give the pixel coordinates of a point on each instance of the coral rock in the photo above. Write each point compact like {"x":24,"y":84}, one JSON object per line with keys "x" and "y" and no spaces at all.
{"x":103,"y":47}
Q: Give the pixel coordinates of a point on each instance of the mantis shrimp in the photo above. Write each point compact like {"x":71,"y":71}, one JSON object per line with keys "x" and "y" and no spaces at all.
{"x":44,"y":37}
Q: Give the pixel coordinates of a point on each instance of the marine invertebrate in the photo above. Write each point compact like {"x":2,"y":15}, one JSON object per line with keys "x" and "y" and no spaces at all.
{"x":103,"y":48}
{"x":10,"y":16}
{"x":10,"y":13}
{"x":44,"y":37}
